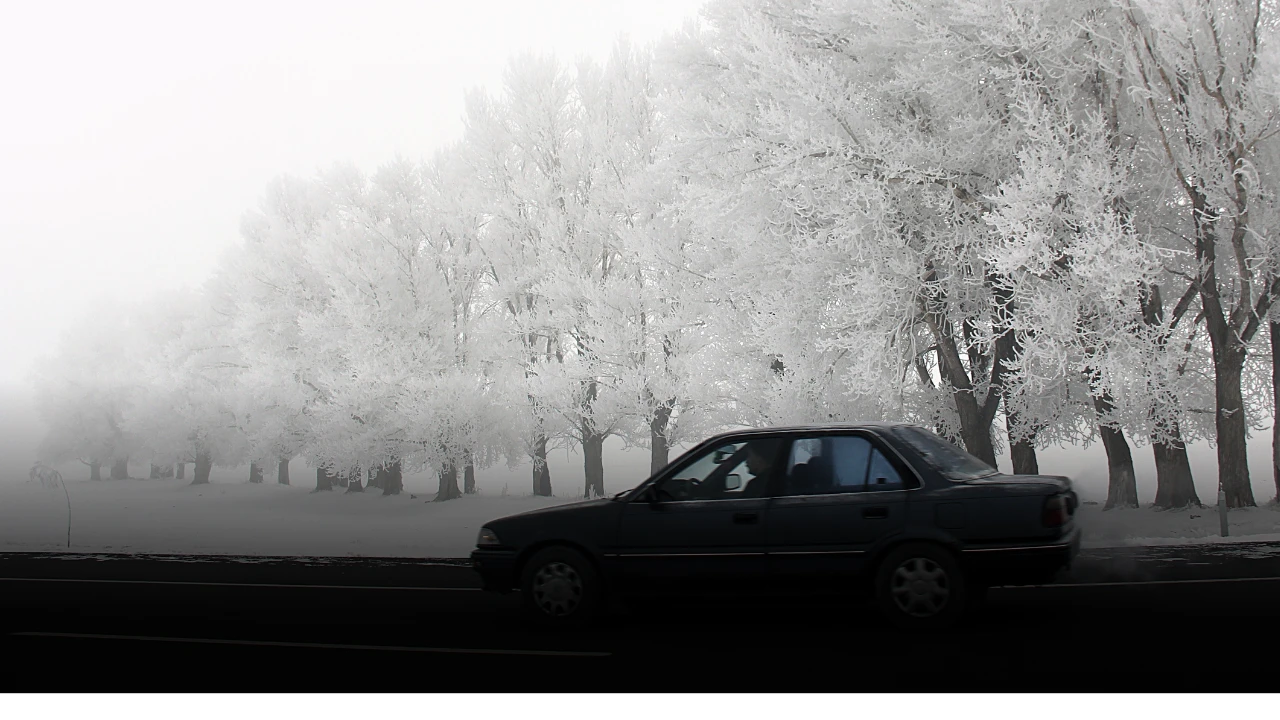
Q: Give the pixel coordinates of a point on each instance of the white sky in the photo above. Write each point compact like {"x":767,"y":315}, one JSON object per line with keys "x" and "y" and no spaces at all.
{"x":134,"y":135}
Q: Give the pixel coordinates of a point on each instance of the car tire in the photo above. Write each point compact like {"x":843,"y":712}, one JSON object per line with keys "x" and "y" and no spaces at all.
{"x":560,"y":588}
{"x":920,"y":586}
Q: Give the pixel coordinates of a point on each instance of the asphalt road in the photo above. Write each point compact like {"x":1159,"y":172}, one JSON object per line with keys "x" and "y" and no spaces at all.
{"x":1172,"y":619}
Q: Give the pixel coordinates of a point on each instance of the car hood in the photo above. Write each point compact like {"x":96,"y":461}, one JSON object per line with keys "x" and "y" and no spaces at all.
{"x":557,"y":509}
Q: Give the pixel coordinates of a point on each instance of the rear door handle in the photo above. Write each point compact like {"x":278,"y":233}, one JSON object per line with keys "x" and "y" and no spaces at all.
{"x":879,"y":512}
{"x":746,"y":518}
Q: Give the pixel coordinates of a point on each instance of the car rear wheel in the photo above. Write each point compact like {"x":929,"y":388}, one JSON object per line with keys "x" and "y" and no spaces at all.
{"x":920,"y":587}
{"x":560,"y":587}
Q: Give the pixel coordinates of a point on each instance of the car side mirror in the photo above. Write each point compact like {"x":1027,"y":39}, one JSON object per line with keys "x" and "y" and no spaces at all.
{"x":732,"y":482}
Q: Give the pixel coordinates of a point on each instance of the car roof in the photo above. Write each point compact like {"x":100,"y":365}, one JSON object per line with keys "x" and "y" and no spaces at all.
{"x":819,"y":427}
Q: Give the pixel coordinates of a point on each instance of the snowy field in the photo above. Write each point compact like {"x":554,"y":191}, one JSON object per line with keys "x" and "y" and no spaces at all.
{"x":231,"y":516}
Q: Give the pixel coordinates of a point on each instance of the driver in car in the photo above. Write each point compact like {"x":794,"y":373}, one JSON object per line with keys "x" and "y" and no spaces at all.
{"x":761,"y":455}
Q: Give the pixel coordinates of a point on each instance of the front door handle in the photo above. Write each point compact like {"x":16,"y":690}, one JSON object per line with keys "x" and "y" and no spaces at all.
{"x":746,"y":518}
{"x":879,"y":512}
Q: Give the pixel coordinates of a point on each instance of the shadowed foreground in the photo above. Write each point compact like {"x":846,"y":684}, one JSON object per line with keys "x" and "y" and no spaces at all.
{"x":1152,"y":619}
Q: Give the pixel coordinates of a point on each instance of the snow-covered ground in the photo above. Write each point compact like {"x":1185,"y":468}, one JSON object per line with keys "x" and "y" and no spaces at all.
{"x":173,"y":516}
{"x":1148,"y":526}
{"x":233,"y":517}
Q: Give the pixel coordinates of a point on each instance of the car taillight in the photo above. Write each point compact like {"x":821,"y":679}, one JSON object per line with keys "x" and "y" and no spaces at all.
{"x":1055,"y":512}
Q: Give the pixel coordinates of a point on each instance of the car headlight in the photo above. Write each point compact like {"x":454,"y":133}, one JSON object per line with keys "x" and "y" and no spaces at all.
{"x":487,"y":538}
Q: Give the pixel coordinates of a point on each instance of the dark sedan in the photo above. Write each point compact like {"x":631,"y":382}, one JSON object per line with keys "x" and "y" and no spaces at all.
{"x":888,"y":508}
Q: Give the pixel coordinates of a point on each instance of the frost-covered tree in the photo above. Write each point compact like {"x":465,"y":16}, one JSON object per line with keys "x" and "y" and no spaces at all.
{"x":85,"y":388}
{"x":272,"y":286}
{"x":848,"y":152}
{"x":390,"y":345}
{"x":190,"y":407}
{"x":1204,"y":75}
{"x":562,"y":159}
{"x":512,"y":201}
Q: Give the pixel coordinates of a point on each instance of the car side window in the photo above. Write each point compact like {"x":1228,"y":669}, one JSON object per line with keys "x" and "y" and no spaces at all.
{"x":830,"y":464}
{"x":849,"y":455}
{"x":883,"y":475}
{"x":734,"y":470}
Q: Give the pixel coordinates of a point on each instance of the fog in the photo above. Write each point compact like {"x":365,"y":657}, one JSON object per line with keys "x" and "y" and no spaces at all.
{"x":140,"y":133}
{"x":135,"y":134}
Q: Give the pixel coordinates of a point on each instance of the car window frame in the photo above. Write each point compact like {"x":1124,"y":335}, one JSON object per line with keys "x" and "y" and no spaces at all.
{"x":912,"y":479}
{"x":806,"y":436}
{"x":902,"y":477}
{"x":643,"y":492}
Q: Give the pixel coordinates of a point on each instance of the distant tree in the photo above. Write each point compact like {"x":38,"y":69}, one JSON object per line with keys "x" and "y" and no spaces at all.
{"x":86,"y":387}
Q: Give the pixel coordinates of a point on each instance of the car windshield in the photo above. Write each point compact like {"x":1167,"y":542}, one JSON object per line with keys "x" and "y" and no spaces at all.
{"x":951,"y":461}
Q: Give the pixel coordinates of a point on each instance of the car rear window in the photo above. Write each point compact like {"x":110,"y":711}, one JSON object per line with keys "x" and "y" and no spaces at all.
{"x":951,"y":461}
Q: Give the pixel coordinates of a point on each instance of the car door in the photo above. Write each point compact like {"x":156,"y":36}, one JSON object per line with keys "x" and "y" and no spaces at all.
{"x":702,"y":527}
{"x":841,"y":494}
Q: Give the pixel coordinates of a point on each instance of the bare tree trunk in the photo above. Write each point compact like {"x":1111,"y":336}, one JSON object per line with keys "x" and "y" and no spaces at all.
{"x":1122,"y":484}
{"x":974,"y":432}
{"x":392,"y":479}
{"x":469,"y":476}
{"x":282,"y":472}
{"x":1023,"y":455}
{"x":181,"y":473}
{"x":204,"y":464}
{"x":1022,"y":451}
{"x":166,"y":471}
{"x":593,"y":462}
{"x":541,"y":470}
{"x":448,"y":483}
{"x":340,"y":479}
{"x":155,"y":472}
{"x":376,"y":478}
{"x":1275,"y":407}
{"x":324,"y":480}
{"x":660,"y":421}
{"x":1233,"y":465}
{"x":95,"y":471}
{"x":355,"y":480}
{"x":255,"y":473}
{"x":592,"y":445}
{"x":659,"y":451}
{"x":975,"y":428}
{"x":120,"y":469}
{"x":1175,"y":487}
{"x":976,"y":417}
{"x":1229,"y":341}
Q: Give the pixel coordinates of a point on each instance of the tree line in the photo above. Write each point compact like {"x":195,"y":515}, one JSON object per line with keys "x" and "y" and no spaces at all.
{"x":1018,"y":223}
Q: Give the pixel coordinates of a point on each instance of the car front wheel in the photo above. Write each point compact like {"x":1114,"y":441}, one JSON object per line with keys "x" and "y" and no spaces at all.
{"x":920,"y":586}
{"x":560,"y":587}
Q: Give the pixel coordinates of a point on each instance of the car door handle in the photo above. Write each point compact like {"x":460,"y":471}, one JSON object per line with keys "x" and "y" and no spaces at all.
{"x":879,"y":512}
{"x":746,"y":518}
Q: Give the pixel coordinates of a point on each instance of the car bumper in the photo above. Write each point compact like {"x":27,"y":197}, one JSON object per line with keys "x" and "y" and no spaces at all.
{"x":497,"y":569}
{"x":1024,"y":564}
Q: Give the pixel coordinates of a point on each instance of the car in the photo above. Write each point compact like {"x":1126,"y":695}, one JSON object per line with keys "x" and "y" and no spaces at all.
{"x":889,"y":510}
